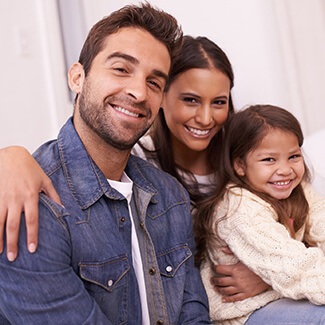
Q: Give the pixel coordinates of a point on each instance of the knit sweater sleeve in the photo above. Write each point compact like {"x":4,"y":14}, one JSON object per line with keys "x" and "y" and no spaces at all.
{"x":315,"y":228}
{"x":251,"y":231}
{"x":265,"y":246}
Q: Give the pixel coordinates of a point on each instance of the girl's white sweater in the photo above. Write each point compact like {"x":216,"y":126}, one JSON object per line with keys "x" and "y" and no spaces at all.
{"x":250,"y":229}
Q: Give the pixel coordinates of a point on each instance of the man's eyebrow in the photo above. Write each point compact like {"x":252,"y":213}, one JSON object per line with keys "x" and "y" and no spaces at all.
{"x":124,"y":56}
{"x":133,"y":60}
{"x":161,"y":74}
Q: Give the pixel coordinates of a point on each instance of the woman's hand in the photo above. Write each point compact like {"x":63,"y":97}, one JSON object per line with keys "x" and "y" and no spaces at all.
{"x":237,"y":282}
{"x":21,"y":180}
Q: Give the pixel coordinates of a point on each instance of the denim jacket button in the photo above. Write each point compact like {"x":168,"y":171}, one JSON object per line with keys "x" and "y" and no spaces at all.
{"x":122,"y":219}
{"x":169,"y":269}
{"x":160,"y":322}
{"x":152,"y":271}
{"x":110,"y":282}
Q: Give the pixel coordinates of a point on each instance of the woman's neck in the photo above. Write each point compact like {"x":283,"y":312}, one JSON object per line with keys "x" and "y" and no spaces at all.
{"x":194,"y":161}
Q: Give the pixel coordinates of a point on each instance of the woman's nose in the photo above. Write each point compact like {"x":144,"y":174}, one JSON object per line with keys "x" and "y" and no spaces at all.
{"x":204,"y":115}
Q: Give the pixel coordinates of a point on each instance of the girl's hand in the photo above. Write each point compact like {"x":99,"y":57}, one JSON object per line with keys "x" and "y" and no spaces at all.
{"x":21,"y":180}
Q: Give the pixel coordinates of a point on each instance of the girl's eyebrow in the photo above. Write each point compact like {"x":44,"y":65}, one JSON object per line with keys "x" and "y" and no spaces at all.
{"x":134,"y":60}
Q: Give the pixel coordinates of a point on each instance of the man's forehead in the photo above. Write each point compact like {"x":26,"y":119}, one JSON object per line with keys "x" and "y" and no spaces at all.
{"x":140,"y":45}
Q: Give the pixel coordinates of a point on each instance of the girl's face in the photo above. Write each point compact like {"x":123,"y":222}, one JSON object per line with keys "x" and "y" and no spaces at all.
{"x":275,"y":167}
{"x":195,"y":107}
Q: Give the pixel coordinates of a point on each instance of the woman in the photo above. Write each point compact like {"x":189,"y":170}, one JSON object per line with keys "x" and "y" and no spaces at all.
{"x":184,"y":141}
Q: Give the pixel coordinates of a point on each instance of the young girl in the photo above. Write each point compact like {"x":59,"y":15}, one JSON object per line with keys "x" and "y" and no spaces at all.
{"x":270,"y":218}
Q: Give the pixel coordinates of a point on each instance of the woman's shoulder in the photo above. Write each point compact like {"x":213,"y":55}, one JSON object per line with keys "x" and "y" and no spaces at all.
{"x":144,"y":149}
{"x":144,"y":143}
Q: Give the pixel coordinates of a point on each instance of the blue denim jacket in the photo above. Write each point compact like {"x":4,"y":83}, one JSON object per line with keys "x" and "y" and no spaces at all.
{"x":82,"y":271}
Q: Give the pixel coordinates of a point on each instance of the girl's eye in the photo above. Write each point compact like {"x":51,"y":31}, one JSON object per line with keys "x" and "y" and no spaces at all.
{"x":268,"y":159}
{"x":295,"y":156}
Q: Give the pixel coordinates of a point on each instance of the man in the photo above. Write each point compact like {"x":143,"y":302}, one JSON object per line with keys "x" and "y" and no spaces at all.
{"x":120,"y":249}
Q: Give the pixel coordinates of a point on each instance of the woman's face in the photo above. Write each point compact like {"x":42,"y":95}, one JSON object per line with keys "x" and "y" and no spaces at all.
{"x":196,"y":107}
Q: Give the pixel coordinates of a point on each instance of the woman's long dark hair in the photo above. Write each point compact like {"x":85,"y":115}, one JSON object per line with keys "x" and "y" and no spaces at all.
{"x":195,"y":53}
{"x":244,"y":131}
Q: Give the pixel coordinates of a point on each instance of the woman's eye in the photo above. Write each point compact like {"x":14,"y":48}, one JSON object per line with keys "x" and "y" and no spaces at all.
{"x":189,"y":100}
{"x":268,"y":159}
{"x":220,"y":102}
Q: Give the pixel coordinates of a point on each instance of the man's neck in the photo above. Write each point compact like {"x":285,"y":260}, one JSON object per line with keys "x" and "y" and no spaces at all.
{"x":111,"y":161}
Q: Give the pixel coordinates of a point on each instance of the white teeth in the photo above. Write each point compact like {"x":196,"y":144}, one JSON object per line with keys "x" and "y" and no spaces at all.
{"x":281,"y":183}
{"x":125,"y":111}
{"x":198,"y":132}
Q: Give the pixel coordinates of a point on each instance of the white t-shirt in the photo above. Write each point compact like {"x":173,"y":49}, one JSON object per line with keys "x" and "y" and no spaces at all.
{"x":147,"y":142}
{"x":125,"y":188}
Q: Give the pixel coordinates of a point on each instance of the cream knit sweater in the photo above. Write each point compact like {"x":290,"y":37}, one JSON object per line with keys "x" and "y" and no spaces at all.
{"x":252,"y":232}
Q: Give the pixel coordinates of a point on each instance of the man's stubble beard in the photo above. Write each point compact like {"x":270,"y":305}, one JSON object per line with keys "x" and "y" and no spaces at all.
{"x":93,"y":115}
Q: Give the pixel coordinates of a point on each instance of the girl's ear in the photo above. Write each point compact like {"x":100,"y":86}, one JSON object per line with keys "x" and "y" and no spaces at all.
{"x":239,"y":166}
{"x":76,"y":77}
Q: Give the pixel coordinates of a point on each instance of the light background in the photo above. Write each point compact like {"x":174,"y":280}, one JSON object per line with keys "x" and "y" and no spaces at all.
{"x":277,"y":49}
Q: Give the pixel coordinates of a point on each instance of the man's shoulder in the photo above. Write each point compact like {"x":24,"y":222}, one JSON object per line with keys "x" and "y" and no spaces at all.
{"x":47,"y":156}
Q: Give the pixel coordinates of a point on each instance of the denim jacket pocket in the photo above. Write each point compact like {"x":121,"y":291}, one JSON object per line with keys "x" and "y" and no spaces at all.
{"x":170,"y":261}
{"x":106,"y":274}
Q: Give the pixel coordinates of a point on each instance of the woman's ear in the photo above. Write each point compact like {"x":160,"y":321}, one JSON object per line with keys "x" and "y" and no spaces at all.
{"x":163,"y":102}
{"x":239,"y":166}
{"x":76,"y":77}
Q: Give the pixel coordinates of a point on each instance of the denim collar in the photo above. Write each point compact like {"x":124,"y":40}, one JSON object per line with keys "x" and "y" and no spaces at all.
{"x":86,"y":181}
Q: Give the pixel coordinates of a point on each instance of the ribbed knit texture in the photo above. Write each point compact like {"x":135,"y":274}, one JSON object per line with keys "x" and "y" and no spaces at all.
{"x":250,"y":229}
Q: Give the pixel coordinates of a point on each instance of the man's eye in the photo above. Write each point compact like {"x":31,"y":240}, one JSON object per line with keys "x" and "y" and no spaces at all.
{"x":155,"y":84}
{"x":120,"y":70}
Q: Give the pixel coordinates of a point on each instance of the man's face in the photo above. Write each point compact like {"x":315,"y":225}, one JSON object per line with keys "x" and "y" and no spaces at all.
{"x":120,"y":97}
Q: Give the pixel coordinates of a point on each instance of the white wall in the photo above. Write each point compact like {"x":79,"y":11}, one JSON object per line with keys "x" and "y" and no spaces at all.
{"x":33,"y":95}
{"x":245,"y":30}
{"x":277,"y":48}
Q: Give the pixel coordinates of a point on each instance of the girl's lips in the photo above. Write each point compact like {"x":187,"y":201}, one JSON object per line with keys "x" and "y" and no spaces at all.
{"x":281,"y":183}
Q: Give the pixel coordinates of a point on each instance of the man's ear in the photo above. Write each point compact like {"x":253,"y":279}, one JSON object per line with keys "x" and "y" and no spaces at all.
{"x":239,"y":166}
{"x":76,"y":77}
